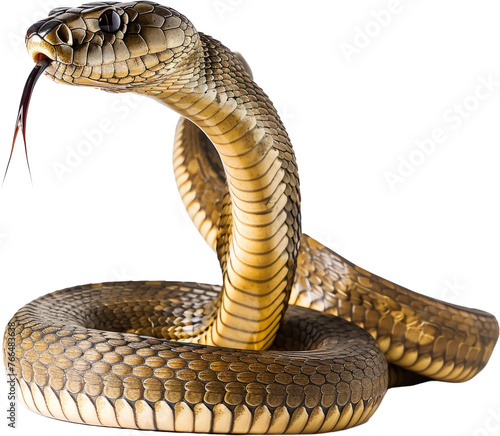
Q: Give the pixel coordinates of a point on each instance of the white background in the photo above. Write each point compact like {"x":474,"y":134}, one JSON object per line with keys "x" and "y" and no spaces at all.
{"x":116,"y":215}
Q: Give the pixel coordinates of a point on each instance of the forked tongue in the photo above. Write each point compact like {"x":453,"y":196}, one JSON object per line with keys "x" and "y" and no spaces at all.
{"x":23,"y":109}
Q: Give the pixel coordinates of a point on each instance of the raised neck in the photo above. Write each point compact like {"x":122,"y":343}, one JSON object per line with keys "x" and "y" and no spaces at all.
{"x":260,"y":226}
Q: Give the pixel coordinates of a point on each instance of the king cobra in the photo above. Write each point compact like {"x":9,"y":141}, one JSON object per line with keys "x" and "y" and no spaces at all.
{"x":296,"y":340}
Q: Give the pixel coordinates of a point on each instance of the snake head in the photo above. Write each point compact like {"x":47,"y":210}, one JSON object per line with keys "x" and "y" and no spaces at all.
{"x":113,"y":46}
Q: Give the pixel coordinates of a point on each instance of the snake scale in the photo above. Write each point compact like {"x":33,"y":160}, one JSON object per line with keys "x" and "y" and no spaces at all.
{"x":297,"y":338}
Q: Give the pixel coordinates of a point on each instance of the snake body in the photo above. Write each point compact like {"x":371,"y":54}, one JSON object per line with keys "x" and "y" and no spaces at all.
{"x":297,"y":338}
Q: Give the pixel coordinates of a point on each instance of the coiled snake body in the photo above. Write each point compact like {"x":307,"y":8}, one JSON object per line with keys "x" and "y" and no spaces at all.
{"x":263,"y":353}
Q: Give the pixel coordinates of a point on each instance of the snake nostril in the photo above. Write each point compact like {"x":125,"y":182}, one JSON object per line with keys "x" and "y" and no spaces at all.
{"x":64,"y":34}
{"x":53,"y":31}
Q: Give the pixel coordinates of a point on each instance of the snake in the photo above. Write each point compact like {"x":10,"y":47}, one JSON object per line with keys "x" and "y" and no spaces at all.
{"x":297,"y":339}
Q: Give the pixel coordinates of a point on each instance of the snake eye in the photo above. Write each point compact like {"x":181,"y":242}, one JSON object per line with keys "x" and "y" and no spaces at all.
{"x":110,"y":21}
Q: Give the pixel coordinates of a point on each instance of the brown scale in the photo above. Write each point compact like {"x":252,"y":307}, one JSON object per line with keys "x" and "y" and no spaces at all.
{"x":110,"y":354}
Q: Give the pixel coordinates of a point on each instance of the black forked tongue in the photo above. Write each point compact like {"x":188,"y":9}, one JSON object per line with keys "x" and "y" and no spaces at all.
{"x":23,"y":109}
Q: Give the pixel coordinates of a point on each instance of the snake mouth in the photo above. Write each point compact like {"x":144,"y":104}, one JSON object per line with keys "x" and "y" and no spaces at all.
{"x":37,"y":57}
{"x":40,"y":49}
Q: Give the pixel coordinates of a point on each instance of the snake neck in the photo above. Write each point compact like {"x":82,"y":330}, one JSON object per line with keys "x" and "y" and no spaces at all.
{"x":259,"y":230}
